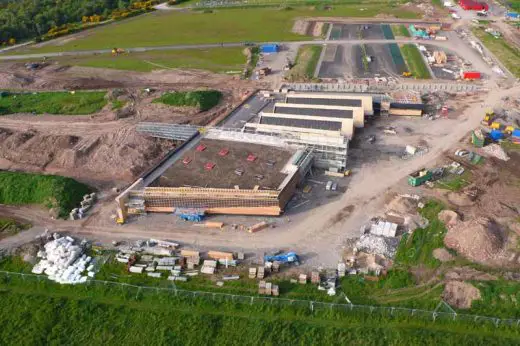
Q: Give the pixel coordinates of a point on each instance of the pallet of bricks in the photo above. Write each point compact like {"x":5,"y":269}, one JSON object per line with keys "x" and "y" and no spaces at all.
{"x":267,"y":288}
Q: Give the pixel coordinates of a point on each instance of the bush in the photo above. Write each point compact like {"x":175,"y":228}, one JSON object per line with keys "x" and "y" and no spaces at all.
{"x":51,"y":191}
{"x":204,"y":99}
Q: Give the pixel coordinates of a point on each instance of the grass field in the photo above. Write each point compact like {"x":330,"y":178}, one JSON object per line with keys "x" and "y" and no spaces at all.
{"x":53,"y":103}
{"x":400,"y":30}
{"x":203,"y":99}
{"x":506,"y":53}
{"x":45,"y":313}
{"x":221,"y":60}
{"x":415,"y":61}
{"x":223,"y":25}
{"x":305,"y":64}
{"x":50,"y":191}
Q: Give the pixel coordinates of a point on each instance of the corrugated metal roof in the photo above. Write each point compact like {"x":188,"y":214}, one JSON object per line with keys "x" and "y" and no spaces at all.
{"x":302,"y":123}
{"x":316,"y":112}
{"x":324,"y":101}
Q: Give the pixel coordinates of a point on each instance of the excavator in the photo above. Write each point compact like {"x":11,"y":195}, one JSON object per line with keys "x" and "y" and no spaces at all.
{"x":488,"y":118}
{"x":407,"y":74}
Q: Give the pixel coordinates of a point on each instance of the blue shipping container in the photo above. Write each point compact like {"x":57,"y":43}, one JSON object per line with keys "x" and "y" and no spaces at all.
{"x":514,"y":15}
{"x":496,"y":135}
{"x":269,"y":48}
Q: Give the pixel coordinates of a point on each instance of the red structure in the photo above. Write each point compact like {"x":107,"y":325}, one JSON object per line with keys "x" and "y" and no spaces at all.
{"x":209,"y":166}
{"x":223,"y":152}
{"x":201,"y":147}
{"x":471,"y":5}
{"x":471,"y":75}
{"x":251,"y":157}
{"x":186,"y":160}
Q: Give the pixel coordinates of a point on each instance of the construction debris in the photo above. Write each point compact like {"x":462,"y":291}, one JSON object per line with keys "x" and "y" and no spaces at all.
{"x":496,"y":151}
{"x":378,"y":245}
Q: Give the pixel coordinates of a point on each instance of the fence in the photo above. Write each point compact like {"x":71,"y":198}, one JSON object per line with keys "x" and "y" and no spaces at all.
{"x":383,"y":87}
{"x":7,"y":277}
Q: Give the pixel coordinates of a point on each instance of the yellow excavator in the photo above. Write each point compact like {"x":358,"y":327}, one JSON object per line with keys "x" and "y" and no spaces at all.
{"x":407,"y":74}
{"x":488,"y":118}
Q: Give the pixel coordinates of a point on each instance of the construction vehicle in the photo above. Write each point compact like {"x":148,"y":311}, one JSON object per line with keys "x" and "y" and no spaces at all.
{"x":117,"y":51}
{"x":407,"y":74}
{"x":289,"y":257}
{"x":488,"y":118}
{"x":120,"y":221}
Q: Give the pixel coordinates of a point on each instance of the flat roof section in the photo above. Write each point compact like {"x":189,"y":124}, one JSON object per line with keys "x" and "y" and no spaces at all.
{"x":222,"y":174}
{"x":316,"y":112}
{"x":324,"y":101}
{"x":302,"y":123}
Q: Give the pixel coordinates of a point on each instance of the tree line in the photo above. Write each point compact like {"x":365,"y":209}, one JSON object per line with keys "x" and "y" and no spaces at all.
{"x":26,"y":19}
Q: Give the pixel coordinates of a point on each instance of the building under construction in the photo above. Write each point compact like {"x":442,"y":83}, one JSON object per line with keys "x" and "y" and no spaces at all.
{"x":324,"y":122}
{"x":220,"y":172}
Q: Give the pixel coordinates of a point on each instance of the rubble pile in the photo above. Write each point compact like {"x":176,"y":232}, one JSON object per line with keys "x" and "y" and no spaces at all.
{"x":377,"y":245}
{"x":63,"y":261}
{"x":496,"y":151}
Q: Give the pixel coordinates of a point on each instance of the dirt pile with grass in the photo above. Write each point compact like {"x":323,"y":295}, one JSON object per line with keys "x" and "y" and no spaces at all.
{"x":479,"y":240}
{"x":460,"y":294}
{"x":449,"y":218}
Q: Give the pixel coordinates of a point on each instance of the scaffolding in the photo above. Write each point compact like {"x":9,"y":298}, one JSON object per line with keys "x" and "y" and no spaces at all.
{"x":168,"y":131}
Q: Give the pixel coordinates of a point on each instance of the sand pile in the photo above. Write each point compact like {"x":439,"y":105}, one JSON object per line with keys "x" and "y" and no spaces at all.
{"x":402,"y":205}
{"x":479,"y":240}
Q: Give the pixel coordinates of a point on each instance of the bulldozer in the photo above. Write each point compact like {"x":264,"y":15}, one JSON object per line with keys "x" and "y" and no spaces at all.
{"x":488,"y":118}
{"x":117,"y":51}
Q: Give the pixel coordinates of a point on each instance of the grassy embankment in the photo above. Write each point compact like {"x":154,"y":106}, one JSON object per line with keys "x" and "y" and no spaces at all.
{"x":400,"y":30}
{"x":503,"y":50}
{"x":10,"y":227}
{"x":305,"y":64}
{"x":203,"y":99}
{"x":415,"y":61}
{"x":53,"y":103}
{"x":50,"y":191}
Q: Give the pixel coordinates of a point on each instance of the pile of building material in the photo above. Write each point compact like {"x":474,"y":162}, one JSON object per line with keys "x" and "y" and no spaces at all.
{"x":377,"y":245}
{"x":208,"y":267}
{"x":64,"y":262}
{"x":87,"y":202}
{"x":496,"y":151}
{"x":267,"y":288}
{"x":384,"y":228}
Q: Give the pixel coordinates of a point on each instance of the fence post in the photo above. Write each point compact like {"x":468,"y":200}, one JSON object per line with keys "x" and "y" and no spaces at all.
{"x":312,"y":305}
{"x":138,"y":290}
{"x":252,"y":300}
{"x":434,"y":315}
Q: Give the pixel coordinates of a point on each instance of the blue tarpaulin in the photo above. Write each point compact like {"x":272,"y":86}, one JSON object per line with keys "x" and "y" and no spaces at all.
{"x":288,"y":257}
{"x":270,"y":48}
{"x":516,"y":133}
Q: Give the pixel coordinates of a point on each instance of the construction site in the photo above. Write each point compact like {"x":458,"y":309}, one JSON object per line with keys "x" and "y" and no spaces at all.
{"x":388,"y":177}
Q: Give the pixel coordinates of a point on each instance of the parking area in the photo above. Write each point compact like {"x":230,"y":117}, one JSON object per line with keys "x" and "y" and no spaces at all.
{"x":347,"y":61}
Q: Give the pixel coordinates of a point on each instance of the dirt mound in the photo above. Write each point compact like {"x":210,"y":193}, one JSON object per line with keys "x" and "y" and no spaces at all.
{"x":402,"y":205}
{"x":442,"y":255}
{"x":479,"y":240}
{"x":449,"y":217}
{"x":460,"y":294}
{"x":467,"y":273}
{"x":460,"y":199}
{"x":121,"y":155}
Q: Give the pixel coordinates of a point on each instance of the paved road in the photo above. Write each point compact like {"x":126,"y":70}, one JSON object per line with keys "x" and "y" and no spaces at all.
{"x":445,"y":44}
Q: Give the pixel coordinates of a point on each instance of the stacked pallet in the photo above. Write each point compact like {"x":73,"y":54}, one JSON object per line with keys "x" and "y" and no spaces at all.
{"x":267,"y":288}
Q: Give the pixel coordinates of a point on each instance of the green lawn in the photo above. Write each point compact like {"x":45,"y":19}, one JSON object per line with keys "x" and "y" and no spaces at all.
{"x":221,"y":60}
{"x":50,"y":191}
{"x":53,"y":103}
{"x":34,"y":313}
{"x":305,"y":64}
{"x":203,"y":99}
{"x":400,"y":30}
{"x":223,"y":25}
{"x":506,"y":53}
{"x":415,"y":61}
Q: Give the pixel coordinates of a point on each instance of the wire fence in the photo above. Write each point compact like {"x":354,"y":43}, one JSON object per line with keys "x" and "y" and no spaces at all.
{"x":136,"y":292}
